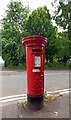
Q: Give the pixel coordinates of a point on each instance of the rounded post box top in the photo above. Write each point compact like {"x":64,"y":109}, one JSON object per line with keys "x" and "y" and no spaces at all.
{"x":34,"y":40}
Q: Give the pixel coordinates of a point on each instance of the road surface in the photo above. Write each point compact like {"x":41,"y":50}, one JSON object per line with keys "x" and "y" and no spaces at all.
{"x":15,"y":82}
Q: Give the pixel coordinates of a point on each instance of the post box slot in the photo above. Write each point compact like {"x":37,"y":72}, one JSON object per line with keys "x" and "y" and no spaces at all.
{"x":36,"y":50}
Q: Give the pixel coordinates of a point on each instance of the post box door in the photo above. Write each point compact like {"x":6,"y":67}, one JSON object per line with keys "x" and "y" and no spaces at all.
{"x":38,"y":82}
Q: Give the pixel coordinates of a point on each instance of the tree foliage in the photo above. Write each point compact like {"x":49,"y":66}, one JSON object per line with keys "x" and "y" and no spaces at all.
{"x":18,"y":23}
{"x":63,"y":16}
{"x":63,"y":48}
{"x":12,"y":26}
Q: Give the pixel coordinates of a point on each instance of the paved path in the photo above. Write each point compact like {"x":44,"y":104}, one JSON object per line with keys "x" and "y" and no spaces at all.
{"x":58,"y":108}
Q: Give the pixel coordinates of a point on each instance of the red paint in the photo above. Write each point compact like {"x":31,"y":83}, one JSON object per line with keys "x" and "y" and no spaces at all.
{"x":35,"y":51}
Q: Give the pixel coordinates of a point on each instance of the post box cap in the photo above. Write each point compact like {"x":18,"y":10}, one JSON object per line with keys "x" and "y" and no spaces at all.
{"x":34,"y":40}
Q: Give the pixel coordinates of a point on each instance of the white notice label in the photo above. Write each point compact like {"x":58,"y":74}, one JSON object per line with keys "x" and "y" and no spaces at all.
{"x":35,"y":70}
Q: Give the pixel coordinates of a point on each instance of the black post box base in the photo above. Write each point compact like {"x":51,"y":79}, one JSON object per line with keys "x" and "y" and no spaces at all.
{"x":35,"y":102}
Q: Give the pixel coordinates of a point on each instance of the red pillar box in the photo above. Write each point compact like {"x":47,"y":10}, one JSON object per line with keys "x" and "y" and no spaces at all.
{"x":35,"y":70}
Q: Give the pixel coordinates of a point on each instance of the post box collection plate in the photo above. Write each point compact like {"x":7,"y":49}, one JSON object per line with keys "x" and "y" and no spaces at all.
{"x":37,"y":61}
